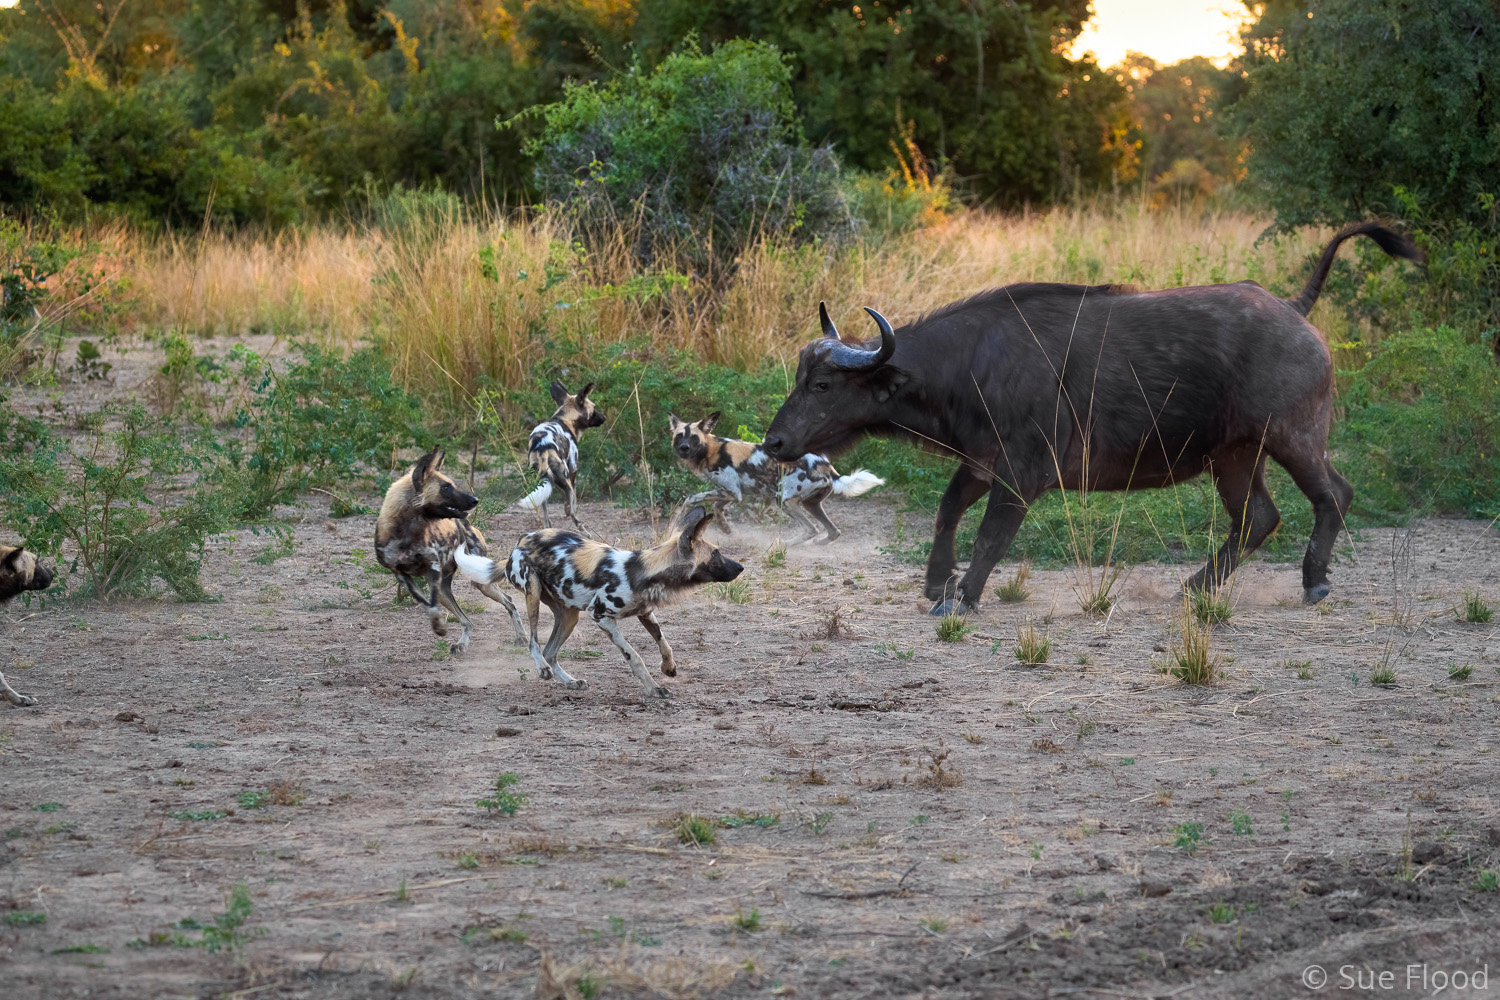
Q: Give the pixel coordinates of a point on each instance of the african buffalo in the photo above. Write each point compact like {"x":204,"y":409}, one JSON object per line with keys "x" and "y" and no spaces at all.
{"x":1040,"y":386}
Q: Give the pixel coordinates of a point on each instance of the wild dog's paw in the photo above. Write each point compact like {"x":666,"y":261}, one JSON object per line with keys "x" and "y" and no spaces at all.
{"x":827,"y":540}
{"x":660,"y":692}
{"x":459,"y":645}
{"x":19,"y":700}
{"x":439,"y":627}
{"x":577,"y":684}
{"x":545,"y":673}
{"x":669,"y":668}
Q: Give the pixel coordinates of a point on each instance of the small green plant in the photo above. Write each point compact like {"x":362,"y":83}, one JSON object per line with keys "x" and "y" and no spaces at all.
{"x":953,"y":628}
{"x":82,"y":949}
{"x":1188,"y":836}
{"x":1383,"y":675}
{"x":441,"y":651}
{"x":692,"y":829}
{"x":1475,"y":609}
{"x":255,"y":798}
{"x":1460,"y":673}
{"x":403,"y":895}
{"x":819,"y":823}
{"x":468,"y":861}
{"x":1210,"y":608}
{"x":1488,"y":880}
{"x":735,"y":591}
{"x":47,"y":807}
{"x":198,"y":814}
{"x":936,"y":925}
{"x":1221,"y":913}
{"x":1192,"y":659}
{"x":747,"y":921}
{"x":1240,"y":820}
{"x":1032,"y":647}
{"x":918,"y":820}
{"x":589,"y":985}
{"x":1013,"y":591}
{"x":776,"y":555}
{"x":1036,"y":851}
{"x":503,"y":800}
{"x":24,"y":918}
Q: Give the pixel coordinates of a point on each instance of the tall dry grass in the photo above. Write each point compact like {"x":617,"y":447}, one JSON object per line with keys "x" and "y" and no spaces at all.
{"x":456,"y":298}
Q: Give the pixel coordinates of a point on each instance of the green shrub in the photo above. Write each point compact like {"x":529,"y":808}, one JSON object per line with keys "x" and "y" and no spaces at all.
{"x":704,"y":150}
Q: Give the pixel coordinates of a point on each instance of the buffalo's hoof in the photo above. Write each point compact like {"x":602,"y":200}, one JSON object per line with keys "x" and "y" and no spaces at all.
{"x":952,"y":606}
{"x":1312,"y":595}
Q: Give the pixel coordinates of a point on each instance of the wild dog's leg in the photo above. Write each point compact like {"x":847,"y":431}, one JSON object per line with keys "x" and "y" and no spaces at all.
{"x":1241,"y":479}
{"x":13,"y":696}
{"x":570,"y":501}
{"x":445,"y":597}
{"x":1002,"y":517}
{"x":963,"y":490}
{"x":430,"y":602}
{"x":633,"y":659}
{"x":814,"y":505}
{"x":533,"y":612}
{"x":809,"y":529}
{"x":494,"y":593}
{"x":668,"y":667}
{"x":564,"y":620}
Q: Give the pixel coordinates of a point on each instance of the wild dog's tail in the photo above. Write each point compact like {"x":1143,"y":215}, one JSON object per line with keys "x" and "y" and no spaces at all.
{"x":482,"y":569}
{"x":1388,"y":240}
{"x":857,"y":482}
{"x":532,"y":502}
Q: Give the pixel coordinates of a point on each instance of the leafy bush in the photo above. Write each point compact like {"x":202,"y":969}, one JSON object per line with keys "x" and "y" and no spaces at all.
{"x":25,"y":265}
{"x":704,"y":151}
{"x":112,"y":495}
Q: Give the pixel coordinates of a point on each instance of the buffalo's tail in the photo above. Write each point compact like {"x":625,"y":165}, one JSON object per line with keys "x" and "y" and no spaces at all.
{"x":1388,"y":240}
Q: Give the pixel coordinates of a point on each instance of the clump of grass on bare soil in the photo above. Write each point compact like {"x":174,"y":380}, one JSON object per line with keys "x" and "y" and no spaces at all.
{"x":698,"y":830}
{"x":1210,"y":608}
{"x":1192,"y":657}
{"x":1383,"y":675}
{"x":1013,"y":591}
{"x":1460,"y":672}
{"x":1032,"y":647}
{"x":1475,"y":609}
{"x":776,"y":555}
{"x":953,"y":628}
{"x":735,"y":591}
{"x":937,"y":773}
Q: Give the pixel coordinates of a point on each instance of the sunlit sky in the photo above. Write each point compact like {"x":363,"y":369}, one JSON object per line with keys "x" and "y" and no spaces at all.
{"x":1165,"y":30}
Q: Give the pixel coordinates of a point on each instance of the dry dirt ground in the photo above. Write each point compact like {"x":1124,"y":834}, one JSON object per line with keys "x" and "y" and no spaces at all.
{"x":894,"y":816}
{"x":899,"y":816}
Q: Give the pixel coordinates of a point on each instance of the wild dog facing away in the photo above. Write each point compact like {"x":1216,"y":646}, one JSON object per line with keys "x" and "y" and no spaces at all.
{"x":1044,"y":386}
{"x":741,"y":467}
{"x":19,"y":571}
{"x":572,"y":575}
{"x":423,"y":522}
{"x":553,"y":451}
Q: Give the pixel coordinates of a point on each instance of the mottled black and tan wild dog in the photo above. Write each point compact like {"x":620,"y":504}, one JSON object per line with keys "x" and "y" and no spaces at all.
{"x":19,"y":571}
{"x":741,"y":467}
{"x":553,"y":451}
{"x":422,"y":523}
{"x":573,"y":575}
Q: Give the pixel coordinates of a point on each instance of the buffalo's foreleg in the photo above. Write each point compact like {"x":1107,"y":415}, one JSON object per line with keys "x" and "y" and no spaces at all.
{"x":1002,"y":519}
{"x":964,"y":489}
{"x":1241,"y":480}
{"x":1331,"y":495}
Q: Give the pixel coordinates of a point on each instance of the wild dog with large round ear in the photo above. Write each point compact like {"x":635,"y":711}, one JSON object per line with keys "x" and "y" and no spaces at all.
{"x":423,"y":522}
{"x":19,"y":572}
{"x":553,"y":451}
{"x":574,"y":575}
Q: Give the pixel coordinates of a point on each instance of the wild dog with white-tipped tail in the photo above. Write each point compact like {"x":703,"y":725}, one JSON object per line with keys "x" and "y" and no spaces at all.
{"x":422,"y":523}
{"x":743,"y":467}
{"x":574,"y":575}
{"x":553,"y":451}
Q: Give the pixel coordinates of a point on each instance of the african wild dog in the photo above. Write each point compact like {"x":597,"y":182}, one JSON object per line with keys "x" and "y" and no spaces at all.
{"x":740,"y":467}
{"x":554,"y":452}
{"x":422,"y":523}
{"x":19,"y":571}
{"x":572,"y":575}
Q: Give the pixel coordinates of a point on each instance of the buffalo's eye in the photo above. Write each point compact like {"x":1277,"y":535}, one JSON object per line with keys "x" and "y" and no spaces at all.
{"x":820,"y":387}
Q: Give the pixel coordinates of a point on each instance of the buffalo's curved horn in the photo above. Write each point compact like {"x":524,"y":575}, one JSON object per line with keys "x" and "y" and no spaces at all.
{"x":829,"y":330}
{"x":857,"y":359}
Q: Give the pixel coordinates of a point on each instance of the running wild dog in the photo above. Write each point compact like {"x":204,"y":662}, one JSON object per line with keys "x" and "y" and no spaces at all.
{"x":422,"y":523}
{"x":740,"y":467}
{"x":554,"y":452}
{"x":19,"y":571}
{"x":572,"y":575}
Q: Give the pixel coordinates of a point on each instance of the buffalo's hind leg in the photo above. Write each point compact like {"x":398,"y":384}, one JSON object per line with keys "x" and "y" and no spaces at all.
{"x":1240,"y":477}
{"x":964,"y":490}
{"x":1331,"y":495}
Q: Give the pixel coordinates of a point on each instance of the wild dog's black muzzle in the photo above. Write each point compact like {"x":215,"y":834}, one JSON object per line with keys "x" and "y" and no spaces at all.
{"x":41,"y":578}
{"x":722,"y":570}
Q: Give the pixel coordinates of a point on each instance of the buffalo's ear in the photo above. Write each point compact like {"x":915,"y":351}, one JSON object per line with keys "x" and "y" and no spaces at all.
{"x":886,"y":381}
{"x":559,"y":393}
{"x":707,"y":423}
{"x":420,"y":470}
{"x":583,"y":393}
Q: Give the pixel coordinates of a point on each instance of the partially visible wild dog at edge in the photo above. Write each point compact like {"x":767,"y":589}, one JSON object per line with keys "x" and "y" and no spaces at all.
{"x":553,"y":451}
{"x":19,"y":571}
{"x":740,"y":467}
{"x":572,"y":575}
{"x":423,"y":522}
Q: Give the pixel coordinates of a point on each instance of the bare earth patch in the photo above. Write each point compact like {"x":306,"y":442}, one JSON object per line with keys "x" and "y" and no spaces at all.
{"x":892,"y":815}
